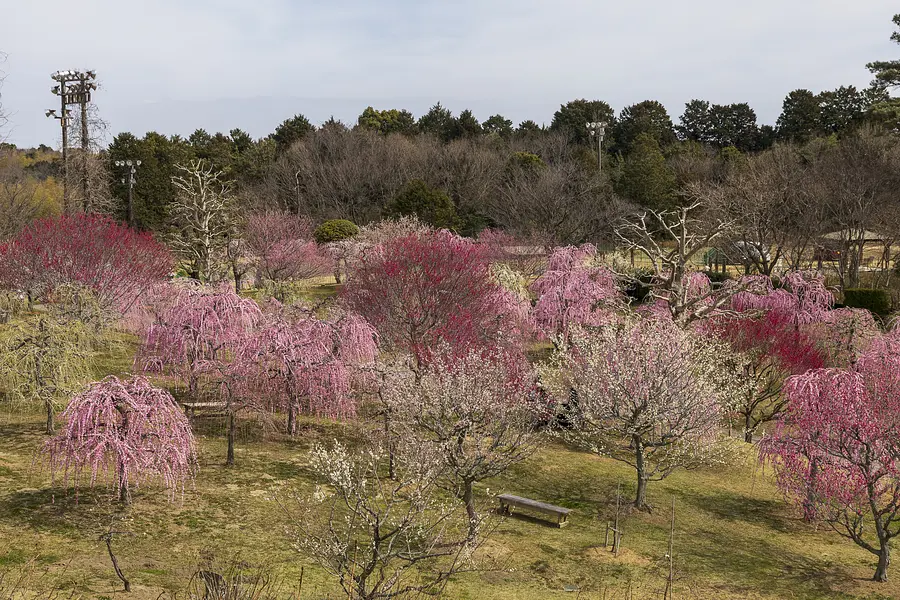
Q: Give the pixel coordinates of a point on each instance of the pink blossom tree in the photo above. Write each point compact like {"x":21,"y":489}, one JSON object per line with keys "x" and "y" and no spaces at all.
{"x":284,"y":248}
{"x":423,"y":290}
{"x":836,"y":451}
{"x":116,"y":263}
{"x":572,"y":291}
{"x":201,"y":328}
{"x":647,"y":393}
{"x":478,"y":413}
{"x":307,"y":366}
{"x":128,"y":429}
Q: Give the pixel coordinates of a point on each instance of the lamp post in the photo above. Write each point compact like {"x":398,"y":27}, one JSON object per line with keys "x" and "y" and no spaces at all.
{"x":129,"y":180}
{"x":74,"y":87}
{"x":598,"y":130}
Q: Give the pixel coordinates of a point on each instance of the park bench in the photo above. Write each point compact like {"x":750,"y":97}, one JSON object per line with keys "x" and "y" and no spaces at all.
{"x":191,"y":408}
{"x":508,"y":501}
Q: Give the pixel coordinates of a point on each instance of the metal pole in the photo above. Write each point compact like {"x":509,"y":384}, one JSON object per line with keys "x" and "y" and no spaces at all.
{"x":64,"y":122}
{"x":85,"y":200}
{"x":600,"y":153}
{"x":130,"y":210}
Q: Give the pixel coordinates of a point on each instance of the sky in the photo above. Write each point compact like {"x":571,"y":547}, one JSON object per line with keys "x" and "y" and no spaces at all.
{"x":173,"y":66}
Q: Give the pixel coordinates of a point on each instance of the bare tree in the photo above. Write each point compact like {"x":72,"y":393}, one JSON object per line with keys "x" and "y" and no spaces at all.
{"x":671,"y":240}
{"x":761,"y":197}
{"x":90,"y":180}
{"x":18,"y":202}
{"x":200,"y":216}
{"x":379,"y":537}
{"x":560,"y":200}
{"x":857,"y":181}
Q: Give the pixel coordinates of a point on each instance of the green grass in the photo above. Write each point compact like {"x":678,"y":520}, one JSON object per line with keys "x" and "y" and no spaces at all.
{"x":735,"y":538}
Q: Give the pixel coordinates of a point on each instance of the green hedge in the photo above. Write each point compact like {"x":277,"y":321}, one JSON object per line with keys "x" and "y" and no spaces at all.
{"x":335,"y":230}
{"x":876,"y":301}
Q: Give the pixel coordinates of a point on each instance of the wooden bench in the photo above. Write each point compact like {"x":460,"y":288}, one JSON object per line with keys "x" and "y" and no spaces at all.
{"x":508,"y":501}
{"x":190,"y":408}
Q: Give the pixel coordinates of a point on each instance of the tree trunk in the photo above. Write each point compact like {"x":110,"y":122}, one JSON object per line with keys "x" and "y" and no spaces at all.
{"x":48,"y":403}
{"x":809,"y":505}
{"x":884,"y":561}
{"x":229,"y":459}
{"x":291,"y":421}
{"x":124,"y":497}
{"x":469,"y":499}
{"x":389,"y":441}
{"x":748,"y":429}
{"x":640,"y":498}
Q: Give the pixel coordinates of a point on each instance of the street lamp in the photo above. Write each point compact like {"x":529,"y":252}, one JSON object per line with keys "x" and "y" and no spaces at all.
{"x":598,"y":130}
{"x":74,"y":87}
{"x":129,"y":180}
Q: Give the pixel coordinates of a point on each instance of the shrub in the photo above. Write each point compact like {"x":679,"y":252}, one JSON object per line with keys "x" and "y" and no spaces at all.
{"x":430,"y":205}
{"x":873,"y":300}
{"x":335,"y":230}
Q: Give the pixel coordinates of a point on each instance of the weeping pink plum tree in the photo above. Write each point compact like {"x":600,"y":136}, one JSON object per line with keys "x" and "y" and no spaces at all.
{"x":128,"y":429}
{"x":836,"y":452}
{"x":307,"y":366}
{"x":647,"y":393}
{"x":573,"y":292}
{"x":201,"y":328}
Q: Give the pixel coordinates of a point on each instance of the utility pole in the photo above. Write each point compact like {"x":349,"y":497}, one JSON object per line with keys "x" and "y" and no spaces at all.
{"x":74,"y":87}
{"x":598,"y":130}
{"x":129,"y":180}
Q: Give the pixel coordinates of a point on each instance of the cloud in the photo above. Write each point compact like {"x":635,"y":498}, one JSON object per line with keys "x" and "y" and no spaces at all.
{"x":174,"y":65}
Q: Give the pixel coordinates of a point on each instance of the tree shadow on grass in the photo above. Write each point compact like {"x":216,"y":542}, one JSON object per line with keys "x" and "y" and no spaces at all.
{"x":727,"y":506}
{"x":720,"y":547}
{"x":59,"y":510}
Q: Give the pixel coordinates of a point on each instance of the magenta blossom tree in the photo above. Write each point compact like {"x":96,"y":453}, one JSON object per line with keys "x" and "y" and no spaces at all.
{"x":116,"y":263}
{"x":836,"y":452}
{"x":572,"y":291}
{"x":307,"y":366}
{"x":128,"y":429}
{"x":201,"y":328}
{"x":644,"y":392}
{"x":423,"y":290}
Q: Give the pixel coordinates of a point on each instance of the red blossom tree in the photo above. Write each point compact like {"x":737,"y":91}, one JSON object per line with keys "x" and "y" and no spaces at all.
{"x":762,"y":325}
{"x":128,"y":429}
{"x":837,"y":450}
{"x":200,"y":329}
{"x":306,"y":366}
{"x":422,"y":290}
{"x":116,"y":263}
{"x":284,"y":248}
{"x":573,"y":292}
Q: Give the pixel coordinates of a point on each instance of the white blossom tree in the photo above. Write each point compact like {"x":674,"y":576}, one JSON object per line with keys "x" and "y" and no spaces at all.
{"x":647,"y":393}
{"x":477,"y":412}
{"x":381,"y":537}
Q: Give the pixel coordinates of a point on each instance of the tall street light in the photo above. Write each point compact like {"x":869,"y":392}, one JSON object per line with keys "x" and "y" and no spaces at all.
{"x":74,"y":87}
{"x":129,"y":180}
{"x":598,"y":130}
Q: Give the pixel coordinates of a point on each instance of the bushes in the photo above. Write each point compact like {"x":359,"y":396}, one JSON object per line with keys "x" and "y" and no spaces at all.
{"x":874,"y":300}
{"x":335,"y":230}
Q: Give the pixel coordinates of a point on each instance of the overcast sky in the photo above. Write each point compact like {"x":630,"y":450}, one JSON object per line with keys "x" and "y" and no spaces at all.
{"x":177,"y":65}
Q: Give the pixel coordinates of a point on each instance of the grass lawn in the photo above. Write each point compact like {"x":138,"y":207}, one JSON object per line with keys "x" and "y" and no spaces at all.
{"x":734,"y":537}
